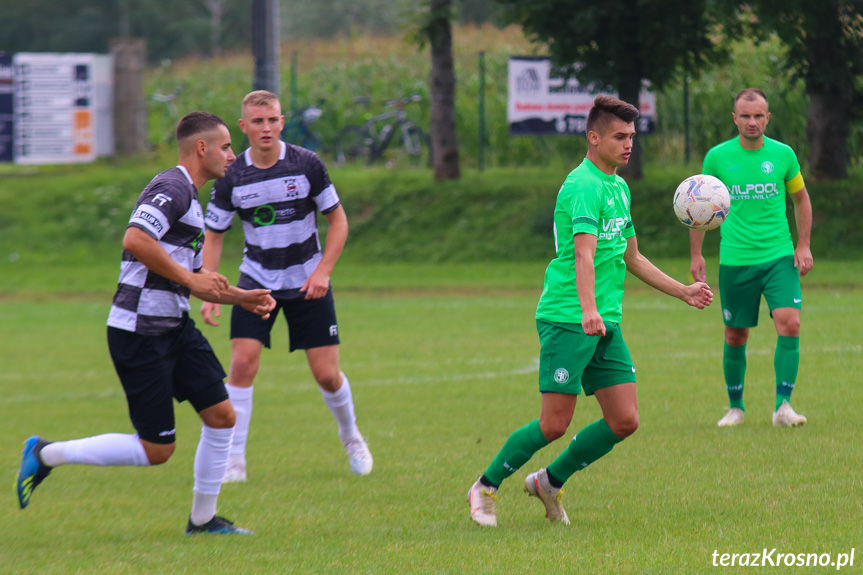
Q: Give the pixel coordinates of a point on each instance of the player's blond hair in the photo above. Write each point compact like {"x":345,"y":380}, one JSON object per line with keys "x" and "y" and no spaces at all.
{"x":260,"y":98}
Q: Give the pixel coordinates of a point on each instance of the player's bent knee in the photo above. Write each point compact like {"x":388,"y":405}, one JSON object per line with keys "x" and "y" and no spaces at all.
{"x":219,"y":416}
{"x":158,"y":453}
{"x":625,"y":426}
{"x":553,"y":430}
{"x":329,"y":381}
{"x":244,"y":368}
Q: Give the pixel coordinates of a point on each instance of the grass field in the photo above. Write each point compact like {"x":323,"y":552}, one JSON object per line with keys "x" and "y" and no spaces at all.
{"x":442,"y":360}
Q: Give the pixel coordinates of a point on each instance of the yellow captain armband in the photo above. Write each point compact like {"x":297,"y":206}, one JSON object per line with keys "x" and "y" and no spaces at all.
{"x":795,"y":184}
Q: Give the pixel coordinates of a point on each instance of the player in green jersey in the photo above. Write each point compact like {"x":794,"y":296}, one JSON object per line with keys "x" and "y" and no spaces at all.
{"x":578,"y":319}
{"x":756,"y":252}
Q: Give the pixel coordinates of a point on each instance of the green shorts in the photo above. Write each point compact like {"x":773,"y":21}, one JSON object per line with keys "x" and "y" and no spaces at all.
{"x":740,"y":289}
{"x":570,"y":360}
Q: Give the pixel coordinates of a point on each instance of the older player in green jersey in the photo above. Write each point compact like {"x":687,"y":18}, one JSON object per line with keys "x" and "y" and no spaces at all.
{"x":578,"y":319}
{"x":756,"y":253}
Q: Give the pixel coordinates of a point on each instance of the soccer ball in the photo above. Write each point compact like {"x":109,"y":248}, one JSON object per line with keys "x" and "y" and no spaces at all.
{"x":702,"y":202}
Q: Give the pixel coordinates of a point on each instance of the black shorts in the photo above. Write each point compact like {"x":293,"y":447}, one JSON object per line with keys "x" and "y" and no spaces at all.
{"x":155,"y":370}
{"x":311,"y":322}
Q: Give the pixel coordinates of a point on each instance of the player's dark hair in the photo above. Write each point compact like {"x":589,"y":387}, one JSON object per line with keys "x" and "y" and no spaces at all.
{"x":607,"y":107}
{"x":750,"y":95}
{"x":195,"y":123}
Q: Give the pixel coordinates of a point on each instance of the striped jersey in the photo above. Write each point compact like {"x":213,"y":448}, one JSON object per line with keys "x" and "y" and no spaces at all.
{"x":168,"y":209}
{"x":278,"y":208}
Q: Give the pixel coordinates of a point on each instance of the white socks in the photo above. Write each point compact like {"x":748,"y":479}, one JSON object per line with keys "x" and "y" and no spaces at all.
{"x":241,"y":399}
{"x":109,"y":449}
{"x":211,"y":461}
{"x":341,"y":404}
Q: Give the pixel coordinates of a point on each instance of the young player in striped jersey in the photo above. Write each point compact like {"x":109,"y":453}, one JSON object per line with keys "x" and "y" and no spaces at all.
{"x":157,"y":351}
{"x":277,"y":190}
{"x":578,"y":320}
{"x":756,"y":253}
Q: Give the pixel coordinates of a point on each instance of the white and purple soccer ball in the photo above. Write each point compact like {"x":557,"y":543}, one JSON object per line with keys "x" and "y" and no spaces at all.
{"x":702,"y":202}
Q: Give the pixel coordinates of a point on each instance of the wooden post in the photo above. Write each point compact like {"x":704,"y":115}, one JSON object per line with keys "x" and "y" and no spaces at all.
{"x":130,"y":103}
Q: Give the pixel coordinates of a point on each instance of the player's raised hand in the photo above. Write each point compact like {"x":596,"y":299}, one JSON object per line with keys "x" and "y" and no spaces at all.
{"x":210,"y":312}
{"x":210,"y":283}
{"x":258,"y":301}
{"x":698,"y":295}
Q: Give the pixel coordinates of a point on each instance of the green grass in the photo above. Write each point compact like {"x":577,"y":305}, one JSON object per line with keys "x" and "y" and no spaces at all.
{"x":442,"y":362}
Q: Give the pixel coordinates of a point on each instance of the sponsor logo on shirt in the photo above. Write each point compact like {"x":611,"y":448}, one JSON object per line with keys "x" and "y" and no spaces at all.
{"x":754,"y":191}
{"x":162,"y":198}
{"x":149,"y":218}
{"x":612,"y":228}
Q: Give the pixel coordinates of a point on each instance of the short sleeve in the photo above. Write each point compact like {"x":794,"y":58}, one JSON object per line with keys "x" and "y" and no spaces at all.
{"x":322,"y":190}
{"x":585,"y":209}
{"x":220,"y":209}
{"x":159,"y":207}
{"x":709,"y":166}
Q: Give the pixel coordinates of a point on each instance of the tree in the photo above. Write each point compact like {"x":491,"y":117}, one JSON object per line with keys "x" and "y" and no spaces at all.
{"x":825,"y":50}
{"x":437,"y":30}
{"x":617,"y":44}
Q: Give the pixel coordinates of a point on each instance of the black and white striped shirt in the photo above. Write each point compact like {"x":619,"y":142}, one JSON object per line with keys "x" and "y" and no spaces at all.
{"x":278,"y":207}
{"x":168,"y":209}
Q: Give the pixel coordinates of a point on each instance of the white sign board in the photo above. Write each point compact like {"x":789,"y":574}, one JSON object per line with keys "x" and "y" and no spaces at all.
{"x":540,"y":103}
{"x":63,"y":105}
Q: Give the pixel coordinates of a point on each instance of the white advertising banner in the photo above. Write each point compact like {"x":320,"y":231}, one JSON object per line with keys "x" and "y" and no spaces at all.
{"x":540,"y":103}
{"x":61,"y":100}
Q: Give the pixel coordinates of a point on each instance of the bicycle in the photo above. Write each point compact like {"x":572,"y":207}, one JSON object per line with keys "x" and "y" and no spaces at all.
{"x":370,"y":142}
{"x":297,"y":129}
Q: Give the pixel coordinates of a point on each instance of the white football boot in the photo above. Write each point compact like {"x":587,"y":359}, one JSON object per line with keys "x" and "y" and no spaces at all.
{"x":236,"y":472}
{"x":537,"y":485}
{"x":785,"y":416}
{"x":482,"y":500}
{"x":359,"y":455}
{"x":733,"y":417}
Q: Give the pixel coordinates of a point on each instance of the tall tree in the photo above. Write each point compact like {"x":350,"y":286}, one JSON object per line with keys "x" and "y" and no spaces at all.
{"x":617,"y":44}
{"x":437,"y":30}
{"x":825,"y":50}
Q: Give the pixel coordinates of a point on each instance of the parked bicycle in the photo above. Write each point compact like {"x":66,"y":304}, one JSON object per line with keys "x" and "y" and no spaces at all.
{"x":298,"y":129}
{"x":371,"y":140}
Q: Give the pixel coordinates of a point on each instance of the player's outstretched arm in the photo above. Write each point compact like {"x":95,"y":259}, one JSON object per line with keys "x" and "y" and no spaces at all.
{"x":212,"y":255}
{"x":697,"y":294}
{"x":258,"y":301}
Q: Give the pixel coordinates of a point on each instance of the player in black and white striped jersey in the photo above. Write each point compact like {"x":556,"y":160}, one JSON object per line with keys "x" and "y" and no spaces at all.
{"x":277,"y":189}
{"x":157,"y":351}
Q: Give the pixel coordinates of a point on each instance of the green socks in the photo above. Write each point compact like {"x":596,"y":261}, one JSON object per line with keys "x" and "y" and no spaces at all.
{"x":734,"y":367}
{"x":785,"y":363}
{"x":518,"y":449}
{"x":587,"y":446}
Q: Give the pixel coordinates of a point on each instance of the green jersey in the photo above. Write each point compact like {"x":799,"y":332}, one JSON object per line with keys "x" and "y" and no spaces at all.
{"x":756,"y":230}
{"x":595,"y":203}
